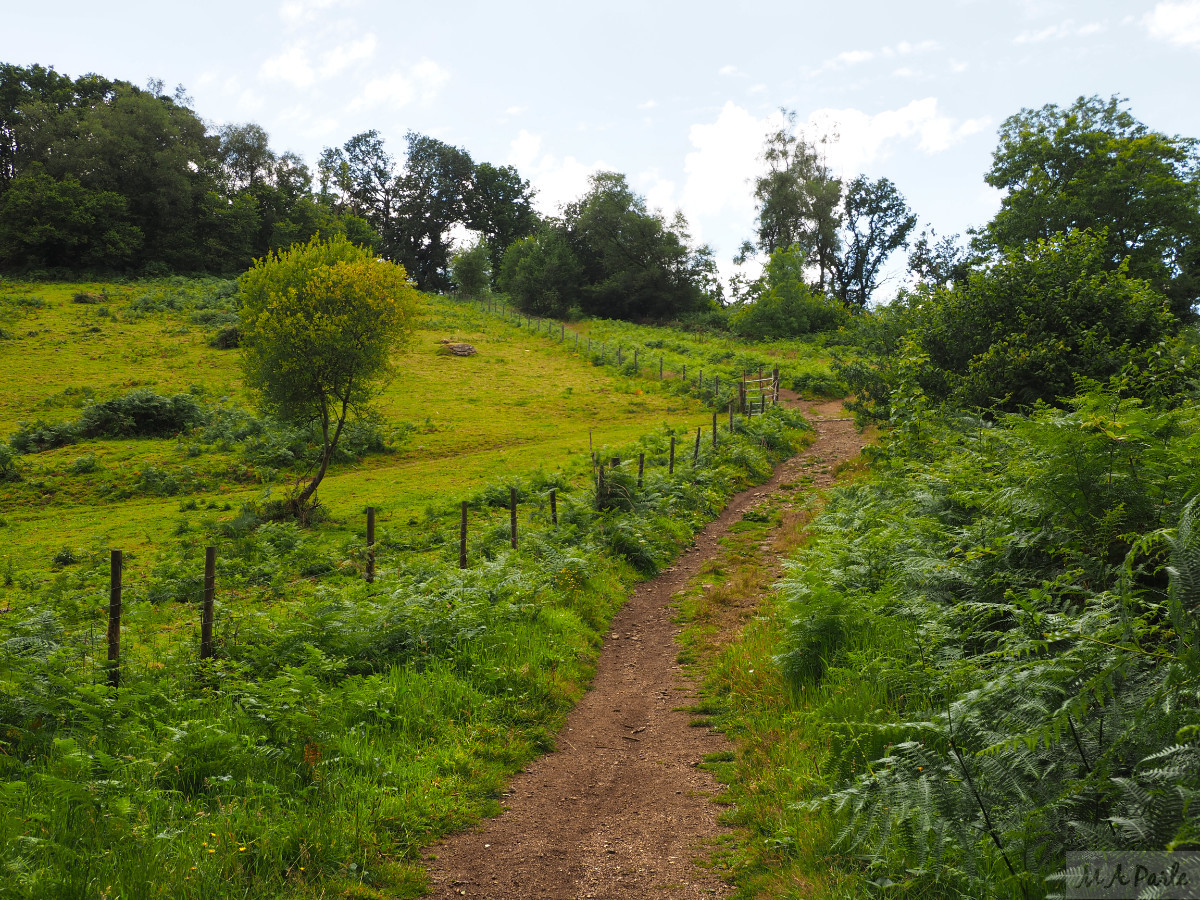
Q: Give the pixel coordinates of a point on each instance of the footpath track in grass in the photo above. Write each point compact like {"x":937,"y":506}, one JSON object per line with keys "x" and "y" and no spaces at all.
{"x":624,"y":807}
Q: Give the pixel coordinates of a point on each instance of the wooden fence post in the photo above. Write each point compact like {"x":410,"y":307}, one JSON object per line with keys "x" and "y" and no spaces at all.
{"x":206,"y":611}
{"x":714,"y":429}
{"x":562,"y":332}
{"x":635,"y":368}
{"x":462,"y":537}
{"x":660,"y":368}
{"x":671,"y":463}
{"x":554,"y":507}
{"x":370,"y":544}
{"x":731,"y":415}
{"x":716,"y":388}
{"x":696,"y":452}
{"x":599,"y":485}
{"x":512,"y":515}
{"x":641,"y":467}
{"x":775,"y":386}
{"x":683,"y":377}
{"x":618,"y":354}
{"x":114,"y":618}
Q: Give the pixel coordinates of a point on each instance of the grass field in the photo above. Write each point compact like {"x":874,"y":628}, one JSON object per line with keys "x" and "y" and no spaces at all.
{"x":522,"y":403}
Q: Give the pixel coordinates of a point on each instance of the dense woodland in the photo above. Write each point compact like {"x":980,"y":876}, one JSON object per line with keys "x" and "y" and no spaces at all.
{"x":1016,"y":569}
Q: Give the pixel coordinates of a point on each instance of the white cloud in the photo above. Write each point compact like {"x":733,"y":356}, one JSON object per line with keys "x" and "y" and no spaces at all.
{"x":719,"y":168}
{"x":858,"y":138}
{"x":558,"y":181}
{"x":756,"y":89}
{"x":292,"y":66}
{"x":297,"y":12}
{"x":1175,"y":22}
{"x":904,"y":48}
{"x":728,"y":70}
{"x":398,"y":88}
{"x":853,"y":57}
{"x":342,"y":57}
{"x":649,"y":104}
{"x":429,"y":77}
{"x":516,"y":110}
{"x":903,"y":72}
{"x":658,"y":191}
{"x":524,"y":150}
{"x":1061,"y":31}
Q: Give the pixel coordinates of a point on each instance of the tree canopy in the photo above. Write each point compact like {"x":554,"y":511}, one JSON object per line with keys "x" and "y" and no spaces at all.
{"x":845,"y":233}
{"x":1024,"y":329}
{"x":320,"y":322}
{"x":1094,"y":166}
{"x":610,"y":256}
{"x":415,"y":205}
{"x":102,"y":174}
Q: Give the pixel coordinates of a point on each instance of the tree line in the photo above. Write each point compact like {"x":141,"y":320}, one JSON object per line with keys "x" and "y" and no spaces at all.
{"x":99,"y":174}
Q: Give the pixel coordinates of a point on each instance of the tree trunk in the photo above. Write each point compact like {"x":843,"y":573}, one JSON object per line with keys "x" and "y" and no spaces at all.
{"x":327,"y":449}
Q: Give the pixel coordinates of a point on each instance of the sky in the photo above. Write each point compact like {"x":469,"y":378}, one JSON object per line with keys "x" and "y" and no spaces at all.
{"x":678,"y":96}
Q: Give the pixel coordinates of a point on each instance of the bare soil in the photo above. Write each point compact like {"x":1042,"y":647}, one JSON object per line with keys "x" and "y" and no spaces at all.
{"x":621,"y":809}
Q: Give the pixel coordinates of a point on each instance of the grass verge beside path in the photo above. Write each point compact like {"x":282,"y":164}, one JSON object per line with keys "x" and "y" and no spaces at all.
{"x":734,"y":624}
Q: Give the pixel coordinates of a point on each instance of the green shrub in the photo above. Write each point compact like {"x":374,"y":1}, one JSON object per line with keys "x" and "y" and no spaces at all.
{"x":9,"y":471}
{"x":784,"y":305}
{"x":227,"y":338}
{"x":141,"y":413}
{"x":36,"y":436}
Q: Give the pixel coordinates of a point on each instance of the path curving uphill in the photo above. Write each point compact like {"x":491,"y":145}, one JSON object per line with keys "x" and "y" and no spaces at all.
{"x":621,"y":809}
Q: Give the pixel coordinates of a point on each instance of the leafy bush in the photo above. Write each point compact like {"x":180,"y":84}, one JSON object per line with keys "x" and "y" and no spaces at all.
{"x":784,"y":305}
{"x":36,"y":436}
{"x":227,"y":338}
{"x":8,"y":464}
{"x":141,"y":413}
{"x":1026,"y":329}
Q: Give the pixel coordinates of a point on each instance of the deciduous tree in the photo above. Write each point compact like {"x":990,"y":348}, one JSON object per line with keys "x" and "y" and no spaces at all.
{"x":320,"y":324}
{"x":876,"y":223}
{"x":1094,"y":166}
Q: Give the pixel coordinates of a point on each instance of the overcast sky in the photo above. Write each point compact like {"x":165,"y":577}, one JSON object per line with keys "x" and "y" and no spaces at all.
{"x":678,"y":96}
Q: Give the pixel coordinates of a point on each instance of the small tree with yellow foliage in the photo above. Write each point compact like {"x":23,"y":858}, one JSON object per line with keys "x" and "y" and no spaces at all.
{"x":320,"y":324}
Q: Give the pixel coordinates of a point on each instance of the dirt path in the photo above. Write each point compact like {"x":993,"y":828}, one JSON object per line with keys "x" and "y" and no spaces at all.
{"x":621,"y":809}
